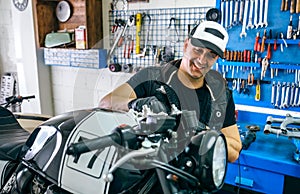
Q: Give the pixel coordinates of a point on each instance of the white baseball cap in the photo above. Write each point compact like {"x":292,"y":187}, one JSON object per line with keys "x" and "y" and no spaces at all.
{"x":211,"y":35}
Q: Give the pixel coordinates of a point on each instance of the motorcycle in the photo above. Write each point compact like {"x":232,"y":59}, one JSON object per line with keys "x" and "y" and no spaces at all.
{"x":26,"y":120}
{"x":105,"y":151}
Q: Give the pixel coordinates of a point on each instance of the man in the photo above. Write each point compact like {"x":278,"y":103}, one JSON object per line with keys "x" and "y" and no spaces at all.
{"x":196,"y":85}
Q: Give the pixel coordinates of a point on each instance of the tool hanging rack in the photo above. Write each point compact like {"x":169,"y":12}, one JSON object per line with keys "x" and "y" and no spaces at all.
{"x":166,"y":30}
{"x":259,"y":32}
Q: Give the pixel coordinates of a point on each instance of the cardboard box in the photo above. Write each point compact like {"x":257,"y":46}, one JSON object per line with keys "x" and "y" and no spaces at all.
{"x":80,"y":37}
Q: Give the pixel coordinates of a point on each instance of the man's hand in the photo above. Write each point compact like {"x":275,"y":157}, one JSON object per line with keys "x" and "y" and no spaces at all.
{"x":152,"y":102}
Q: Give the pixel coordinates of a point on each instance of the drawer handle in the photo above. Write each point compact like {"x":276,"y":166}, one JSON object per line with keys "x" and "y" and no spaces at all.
{"x":244,"y":181}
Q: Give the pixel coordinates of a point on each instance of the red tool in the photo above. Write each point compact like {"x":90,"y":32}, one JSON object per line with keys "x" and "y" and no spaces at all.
{"x":245,"y":56}
{"x":248,"y":56}
{"x":262,"y":48}
{"x":275,"y":42}
{"x":269,"y":46}
{"x":256,"y":42}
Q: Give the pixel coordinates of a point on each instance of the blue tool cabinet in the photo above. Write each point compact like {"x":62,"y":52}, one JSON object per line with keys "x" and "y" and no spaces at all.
{"x":267,"y":166}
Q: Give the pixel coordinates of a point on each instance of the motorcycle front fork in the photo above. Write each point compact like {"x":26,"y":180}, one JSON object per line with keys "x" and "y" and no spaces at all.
{"x":18,"y":182}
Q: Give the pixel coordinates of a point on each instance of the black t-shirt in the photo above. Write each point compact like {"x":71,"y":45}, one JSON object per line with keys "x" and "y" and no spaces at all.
{"x":190,"y":99}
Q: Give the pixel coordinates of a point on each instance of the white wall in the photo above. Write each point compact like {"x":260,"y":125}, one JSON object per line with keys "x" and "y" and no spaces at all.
{"x":75,"y":88}
{"x":7,"y":42}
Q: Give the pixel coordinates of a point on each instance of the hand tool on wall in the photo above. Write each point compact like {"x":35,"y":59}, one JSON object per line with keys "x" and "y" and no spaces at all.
{"x":265,"y":23}
{"x":222,"y":13}
{"x":292,"y":7}
{"x":146,"y":47}
{"x":230,"y":13}
{"x":278,"y":88}
{"x":256,"y":44}
{"x":241,"y":12}
{"x":282,"y":94}
{"x":226,"y":13}
{"x":243,"y":33}
{"x":283,"y":42}
{"x":292,"y":94}
{"x":260,"y":22}
{"x":138,"y":21}
{"x":236,"y":11}
{"x":275,"y":42}
{"x":269,"y":45}
{"x":250,"y":78}
{"x":250,"y":25}
{"x":298,"y":6}
{"x":264,"y":38}
{"x":298,"y":102}
{"x":273,"y":93}
{"x":286,"y":97}
{"x":286,"y":6}
{"x":130,"y":22}
{"x":257,"y":91}
{"x":172,"y":34}
{"x":296,"y":95}
{"x":255,"y":13}
{"x":264,"y":66}
{"x":282,"y":5}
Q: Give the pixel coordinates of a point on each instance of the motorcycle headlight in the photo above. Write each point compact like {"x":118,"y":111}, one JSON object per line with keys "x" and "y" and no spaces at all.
{"x":213,"y":154}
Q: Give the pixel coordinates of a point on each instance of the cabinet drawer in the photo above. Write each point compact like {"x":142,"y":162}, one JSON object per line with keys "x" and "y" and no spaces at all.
{"x":254,"y":179}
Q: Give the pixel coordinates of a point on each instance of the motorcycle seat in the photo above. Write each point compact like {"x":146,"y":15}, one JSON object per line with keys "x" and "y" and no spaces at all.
{"x":12,"y":135}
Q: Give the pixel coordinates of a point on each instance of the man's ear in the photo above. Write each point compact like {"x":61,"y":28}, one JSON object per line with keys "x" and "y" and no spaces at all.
{"x":185,"y":44}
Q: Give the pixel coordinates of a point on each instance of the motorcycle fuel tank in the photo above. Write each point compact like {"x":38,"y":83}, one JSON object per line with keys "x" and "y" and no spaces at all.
{"x":47,"y":145}
{"x":84,"y":174}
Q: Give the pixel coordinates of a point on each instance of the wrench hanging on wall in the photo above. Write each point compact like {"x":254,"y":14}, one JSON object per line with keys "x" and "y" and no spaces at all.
{"x":243,"y":33}
{"x":226,"y":13}
{"x":255,"y":13}
{"x":265,"y":23}
{"x":260,"y":19}
{"x":222,"y":13}
{"x":278,"y":88}
{"x":231,"y":14}
{"x":250,"y":25}
{"x":236,"y":11}
{"x":241,"y":13}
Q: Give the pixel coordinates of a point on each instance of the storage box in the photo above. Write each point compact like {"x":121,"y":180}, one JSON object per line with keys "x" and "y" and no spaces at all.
{"x":80,"y":37}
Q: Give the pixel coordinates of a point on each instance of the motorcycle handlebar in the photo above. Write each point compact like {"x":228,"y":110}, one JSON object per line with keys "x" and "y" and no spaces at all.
{"x":27,"y":97}
{"x":15,"y":99}
{"x":84,"y":146}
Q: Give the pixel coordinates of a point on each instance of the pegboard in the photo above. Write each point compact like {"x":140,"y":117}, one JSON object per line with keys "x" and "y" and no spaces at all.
{"x":284,"y":64}
{"x":166,"y":30}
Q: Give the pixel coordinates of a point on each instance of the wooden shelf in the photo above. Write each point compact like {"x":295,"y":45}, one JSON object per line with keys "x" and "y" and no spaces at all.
{"x":84,"y":13}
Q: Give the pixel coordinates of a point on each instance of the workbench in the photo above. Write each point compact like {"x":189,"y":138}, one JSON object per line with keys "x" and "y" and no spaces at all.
{"x":267,"y":166}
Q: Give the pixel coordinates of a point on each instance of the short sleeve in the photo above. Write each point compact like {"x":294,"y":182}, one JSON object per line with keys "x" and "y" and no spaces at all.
{"x":230,"y":111}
